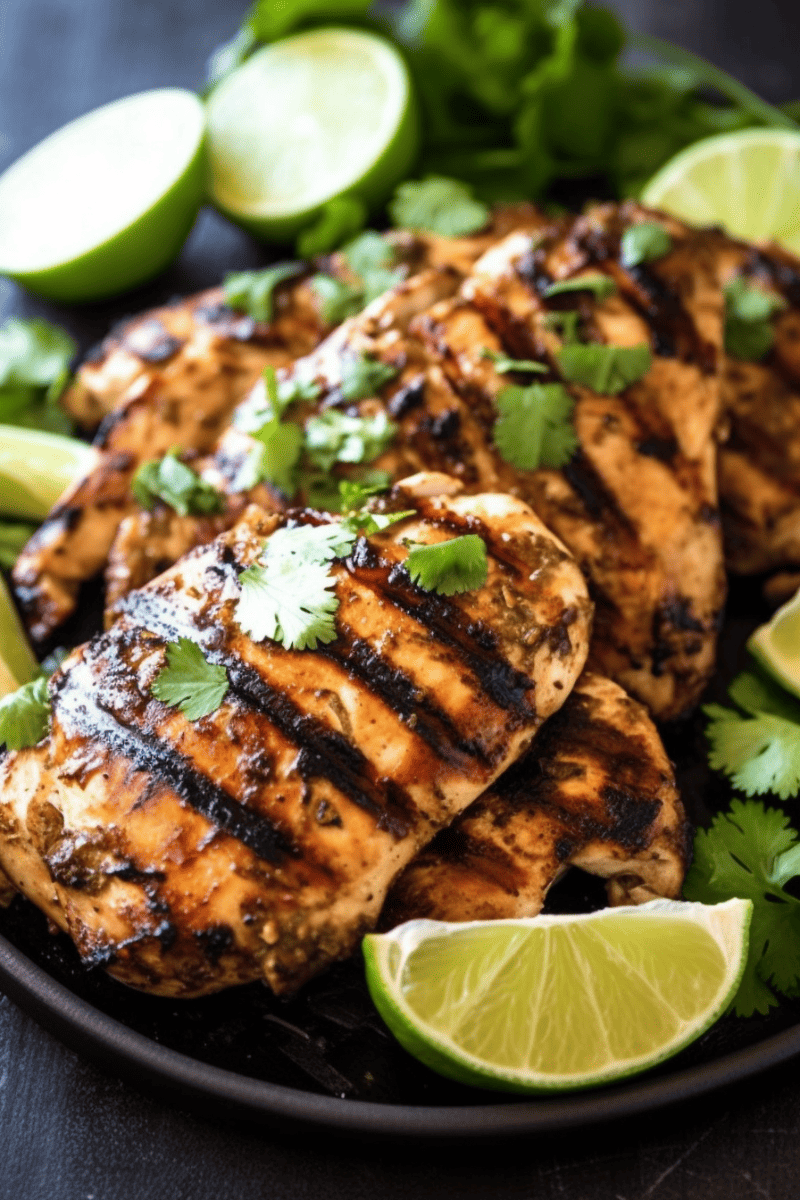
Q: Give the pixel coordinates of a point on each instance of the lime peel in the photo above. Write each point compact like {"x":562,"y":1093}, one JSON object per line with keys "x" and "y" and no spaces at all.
{"x":551,"y":1003}
{"x":35,"y":469}
{"x":17,"y":662}
{"x":776,"y":645}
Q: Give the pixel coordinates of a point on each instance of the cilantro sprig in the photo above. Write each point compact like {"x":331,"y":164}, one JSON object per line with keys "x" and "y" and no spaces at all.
{"x":371,"y":259}
{"x":457,"y":565}
{"x":504,"y":365}
{"x":534,"y":426}
{"x":335,"y":436}
{"x":176,"y":484}
{"x":34,"y":370}
{"x":188,"y":681}
{"x":749,"y":333}
{"x":363,"y":376}
{"x":757,"y":743}
{"x":644,"y":243}
{"x":601,"y":286}
{"x":438,"y":205}
{"x":25,"y":715}
{"x":254,"y":291}
{"x":607,"y":370}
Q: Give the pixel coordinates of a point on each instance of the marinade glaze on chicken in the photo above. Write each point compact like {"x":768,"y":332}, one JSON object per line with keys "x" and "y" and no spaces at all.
{"x":260,"y":841}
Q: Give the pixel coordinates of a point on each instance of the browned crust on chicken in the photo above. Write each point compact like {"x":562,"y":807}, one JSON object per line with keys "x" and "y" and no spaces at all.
{"x":595,"y":791}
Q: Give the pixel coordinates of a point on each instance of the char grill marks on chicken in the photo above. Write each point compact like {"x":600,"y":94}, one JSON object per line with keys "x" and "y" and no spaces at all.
{"x":259,"y":841}
{"x":595,"y":791}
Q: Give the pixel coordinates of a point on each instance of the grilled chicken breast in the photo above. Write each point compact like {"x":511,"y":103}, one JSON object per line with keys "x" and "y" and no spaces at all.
{"x":260,"y":841}
{"x":595,"y":790}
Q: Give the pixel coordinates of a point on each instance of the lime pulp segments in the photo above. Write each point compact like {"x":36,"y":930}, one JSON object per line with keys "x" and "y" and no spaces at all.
{"x":311,"y":117}
{"x":748,"y":181}
{"x":36,"y":467}
{"x":555,"y":1002}
{"x":776,"y":645}
{"x":106,"y":201}
{"x":17,"y":663}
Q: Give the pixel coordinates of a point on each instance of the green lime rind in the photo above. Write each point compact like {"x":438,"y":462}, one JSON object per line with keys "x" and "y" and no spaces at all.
{"x":17,"y":662}
{"x":35,"y":469}
{"x":776,"y":645}
{"x":386,"y":955}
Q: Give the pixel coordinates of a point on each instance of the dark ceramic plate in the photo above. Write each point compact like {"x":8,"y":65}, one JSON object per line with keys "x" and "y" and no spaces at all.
{"x":324,"y":1058}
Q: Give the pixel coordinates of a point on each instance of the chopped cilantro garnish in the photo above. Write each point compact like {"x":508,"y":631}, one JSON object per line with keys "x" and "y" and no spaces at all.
{"x":325,"y":492}
{"x":25,"y":715}
{"x":363,"y":376}
{"x":439,"y":205}
{"x":644,"y":243}
{"x":364,"y":522}
{"x":458,"y":565}
{"x":170,"y":480}
{"x":338,"y":300}
{"x":287,"y":597}
{"x":336,"y":437}
{"x":189,"y":681}
{"x":564,"y":323}
{"x":371,"y":257}
{"x":34,"y":370}
{"x":752,"y":852}
{"x":503,"y":364}
{"x":748,"y":320}
{"x":601,"y":286}
{"x":277,"y":459}
{"x":757,"y":743}
{"x":534,"y":428}
{"x":253,"y":291}
{"x":605,"y":369}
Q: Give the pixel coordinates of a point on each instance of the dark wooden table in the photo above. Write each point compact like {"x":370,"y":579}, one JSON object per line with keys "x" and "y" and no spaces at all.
{"x":69,"y":1131}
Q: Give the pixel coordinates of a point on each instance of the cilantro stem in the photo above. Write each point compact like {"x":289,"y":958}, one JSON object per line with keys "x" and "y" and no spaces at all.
{"x":714,"y":77}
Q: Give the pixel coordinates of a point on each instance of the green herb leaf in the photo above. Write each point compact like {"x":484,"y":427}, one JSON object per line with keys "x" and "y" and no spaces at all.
{"x":189,"y":681}
{"x":749,"y":311}
{"x":565,"y":324}
{"x":439,"y":205}
{"x":34,"y":370}
{"x":338,"y":300}
{"x":253,"y":291}
{"x":644,"y":243}
{"x":336,"y":437}
{"x":25,"y":715}
{"x":328,"y":494}
{"x":363,"y":377}
{"x":364,"y":522}
{"x":170,"y":480}
{"x":534,"y":427}
{"x":601,"y":286}
{"x":276,"y":462}
{"x":458,"y":565}
{"x":605,"y":369}
{"x":760,"y":751}
{"x":503,"y":364}
{"x":752,"y":852}
{"x":371,"y":257}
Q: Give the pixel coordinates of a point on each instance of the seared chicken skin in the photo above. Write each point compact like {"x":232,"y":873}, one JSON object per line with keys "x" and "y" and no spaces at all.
{"x":260,"y":841}
{"x":596,"y":791}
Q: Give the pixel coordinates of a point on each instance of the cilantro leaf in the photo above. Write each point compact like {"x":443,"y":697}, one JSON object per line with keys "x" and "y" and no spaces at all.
{"x":336,"y":437}
{"x":253,"y":291}
{"x":601,"y":286}
{"x":25,"y":715}
{"x":371,"y":257}
{"x":310,"y":543}
{"x":439,"y":205}
{"x":338,"y":300}
{"x":170,"y":480}
{"x":534,"y":427}
{"x":749,"y":333}
{"x":644,"y":243}
{"x":325,"y":492}
{"x":760,"y":751}
{"x":365,"y":522}
{"x":751,"y":852}
{"x":458,"y":565}
{"x":275,"y":460}
{"x":189,"y":681}
{"x":503,"y":364}
{"x":565,"y":324}
{"x":34,"y":370}
{"x":339,"y":218}
{"x":605,"y":369}
{"x":363,"y":376}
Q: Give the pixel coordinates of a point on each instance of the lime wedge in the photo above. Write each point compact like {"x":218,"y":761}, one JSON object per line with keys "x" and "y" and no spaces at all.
{"x":304,"y":121}
{"x":748,"y":181}
{"x":556,"y":1002}
{"x":108,"y":200}
{"x":17,"y":663}
{"x":776,"y":645}
{"x":36,"y":467}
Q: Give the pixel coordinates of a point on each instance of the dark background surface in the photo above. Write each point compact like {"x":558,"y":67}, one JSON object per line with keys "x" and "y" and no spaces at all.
{"x":69,"y":1131}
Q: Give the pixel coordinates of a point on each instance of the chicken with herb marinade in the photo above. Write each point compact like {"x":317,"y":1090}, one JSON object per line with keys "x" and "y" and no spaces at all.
{"x":259,"y":840}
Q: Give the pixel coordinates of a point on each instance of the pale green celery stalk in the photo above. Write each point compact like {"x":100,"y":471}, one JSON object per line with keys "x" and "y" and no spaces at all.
{"x":17,"y":662}
{"x":712,"y":76}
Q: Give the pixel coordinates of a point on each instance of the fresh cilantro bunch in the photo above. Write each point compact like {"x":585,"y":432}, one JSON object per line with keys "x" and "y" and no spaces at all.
{"x":757,"y":743}
{"x":753,"y":853}
{"x":34,"y":370}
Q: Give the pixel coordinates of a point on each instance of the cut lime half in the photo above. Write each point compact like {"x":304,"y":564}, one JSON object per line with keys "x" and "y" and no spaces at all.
{"x":107,"y":201}
{"x":557,"y":1002}
{"x":305,"y":120}
{"x":776,"y":645}
{"x":36,"y":467}
{"x":748,"y":181}
{"x":17,"y":662}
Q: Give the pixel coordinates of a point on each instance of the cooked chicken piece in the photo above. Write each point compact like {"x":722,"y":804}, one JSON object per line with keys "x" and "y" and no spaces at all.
{"x":259,"y":841}
{"x":595,"y":791}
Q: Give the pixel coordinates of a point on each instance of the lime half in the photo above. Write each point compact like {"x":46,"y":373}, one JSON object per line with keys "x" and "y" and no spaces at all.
{"x":36,"y":467}
{"x":17,"y":662}
{"x":556,"y":1002}
{"x":748,"y":181}
{"x":108,"y":200}
{"x":776,"y":645}
{"x":305,"y":120}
